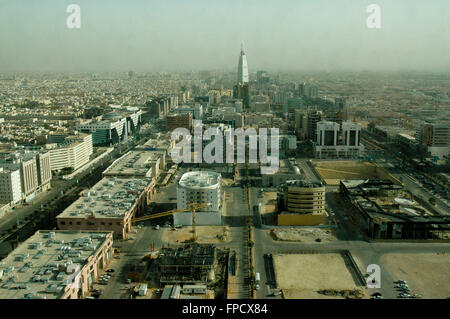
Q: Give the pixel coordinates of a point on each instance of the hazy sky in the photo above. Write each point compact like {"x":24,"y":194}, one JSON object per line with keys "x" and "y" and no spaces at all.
{"x":150,"y":35}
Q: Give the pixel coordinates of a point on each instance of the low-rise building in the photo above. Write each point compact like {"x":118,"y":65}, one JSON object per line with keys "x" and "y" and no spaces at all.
{"x":55,"y":265}
{"x":386,"y":211}
{"x":200,"y":187}
{"x":73,"y":152}
{"x":301,"y":202}
{"x":137,"y":163}
{"x":10,"y":186}
{"x":109,"y":205}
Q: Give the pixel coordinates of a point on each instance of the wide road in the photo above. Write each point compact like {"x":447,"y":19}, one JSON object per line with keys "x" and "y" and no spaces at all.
{"x":131,"y":252}
{"x":350,"y":238}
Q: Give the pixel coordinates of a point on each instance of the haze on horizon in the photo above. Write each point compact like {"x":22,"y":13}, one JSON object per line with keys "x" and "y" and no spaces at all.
{"x":175,"y":35}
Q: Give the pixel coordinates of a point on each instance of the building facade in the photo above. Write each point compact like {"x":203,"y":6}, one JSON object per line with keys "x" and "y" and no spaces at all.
{"x":301,"y":203}
{"x":10,"y":186}
{"x":200,"y":187}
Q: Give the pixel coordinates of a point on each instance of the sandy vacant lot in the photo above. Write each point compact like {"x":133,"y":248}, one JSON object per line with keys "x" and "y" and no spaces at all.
{"x":426,"y":274}
{"x":303,"y":234}
{"x":312,"y":271}
{"x":206,"y":234}
{"x":334,"y":171}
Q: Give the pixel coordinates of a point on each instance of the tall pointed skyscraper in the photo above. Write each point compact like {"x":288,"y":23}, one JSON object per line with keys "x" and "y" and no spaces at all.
{"x":242,"y":67}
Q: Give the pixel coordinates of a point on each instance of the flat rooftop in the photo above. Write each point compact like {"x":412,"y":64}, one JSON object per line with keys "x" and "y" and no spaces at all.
{"x":157,"y":144}
{"x":111,"y":197}
{"x":38,"y":266}
{"x":302,"y":183}
{"x":134,"y":163}
{"x":384,"y":201}
{"x":199,"y":179}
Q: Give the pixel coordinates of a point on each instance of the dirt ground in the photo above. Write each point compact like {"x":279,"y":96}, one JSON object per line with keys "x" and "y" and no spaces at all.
{"x":206,"y":234}
{"x":334,"y":171}
{"x":270,"y":203}
{"x":303,"y":234}
{"x":426,"y":274}
{"x":303,"y":275}
{"x":306,"y":294}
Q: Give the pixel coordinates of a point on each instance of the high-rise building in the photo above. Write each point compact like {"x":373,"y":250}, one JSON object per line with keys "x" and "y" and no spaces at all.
{"x":314,"y":116}
{"x":301,"y":124}
{"x":262,"y":77}
{"x":242,"y":68}
{"x":174,"y":121}
{"x":242,"y":91}
{"x":308,"y":90}
{"x":435,"y":137}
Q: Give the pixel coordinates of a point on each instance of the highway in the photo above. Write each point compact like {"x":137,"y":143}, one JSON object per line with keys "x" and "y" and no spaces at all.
{"x":28,"y":213}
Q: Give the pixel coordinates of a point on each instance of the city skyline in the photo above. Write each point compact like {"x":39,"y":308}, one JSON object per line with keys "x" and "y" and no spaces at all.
{"x":142,"y":157}
{"x":152,"y":36}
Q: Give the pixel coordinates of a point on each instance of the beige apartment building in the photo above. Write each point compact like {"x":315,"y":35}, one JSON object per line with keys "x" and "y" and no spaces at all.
{"x":108,"y":206}
{"x":55,"y":265}
{"x":301,"y":203}
{"x":74,"y":152}
{"x":34,"y":168}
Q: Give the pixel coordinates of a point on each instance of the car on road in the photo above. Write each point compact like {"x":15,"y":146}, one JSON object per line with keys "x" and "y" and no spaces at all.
{"x":376,"y":295}
{"x":276,"y":293}
{"x":156,"y":227}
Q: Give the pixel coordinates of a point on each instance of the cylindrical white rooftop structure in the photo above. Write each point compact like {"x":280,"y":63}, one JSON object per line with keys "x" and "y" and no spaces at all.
{"x":199,"y":187}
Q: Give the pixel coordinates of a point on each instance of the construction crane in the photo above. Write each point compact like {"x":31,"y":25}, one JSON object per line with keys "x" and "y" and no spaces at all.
{"x":191,"y":208}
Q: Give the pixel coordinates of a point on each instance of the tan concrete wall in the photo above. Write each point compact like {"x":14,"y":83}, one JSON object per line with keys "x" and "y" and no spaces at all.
{"x":301,"y":220}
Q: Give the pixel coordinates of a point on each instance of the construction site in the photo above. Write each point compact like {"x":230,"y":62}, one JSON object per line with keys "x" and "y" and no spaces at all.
{"x":193,"y":264}
{"x":333,"y":172}
{"x":386,"y":211}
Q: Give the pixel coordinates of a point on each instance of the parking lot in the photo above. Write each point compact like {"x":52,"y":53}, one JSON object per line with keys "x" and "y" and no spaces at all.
{"x":426,"y":274}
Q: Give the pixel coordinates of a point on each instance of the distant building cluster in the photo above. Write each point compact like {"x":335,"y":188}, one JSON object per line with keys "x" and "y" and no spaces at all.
{"x":23,"y":175}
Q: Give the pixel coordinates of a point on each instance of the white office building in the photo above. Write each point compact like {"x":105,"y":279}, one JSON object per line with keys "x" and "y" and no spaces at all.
{"x":10,"y":186}
{"x":199,"y":187}
{"x":332,"y":142}
{"x":74,"y":152}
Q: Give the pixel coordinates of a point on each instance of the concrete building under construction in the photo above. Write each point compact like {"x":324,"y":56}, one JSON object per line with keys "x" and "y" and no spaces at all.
{"x":389,"y":212}
{"x":190,"y":264}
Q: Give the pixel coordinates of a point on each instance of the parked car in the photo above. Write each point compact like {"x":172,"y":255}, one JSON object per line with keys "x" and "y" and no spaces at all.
{"x":376,"y":295}
{"x":276,"y":293}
